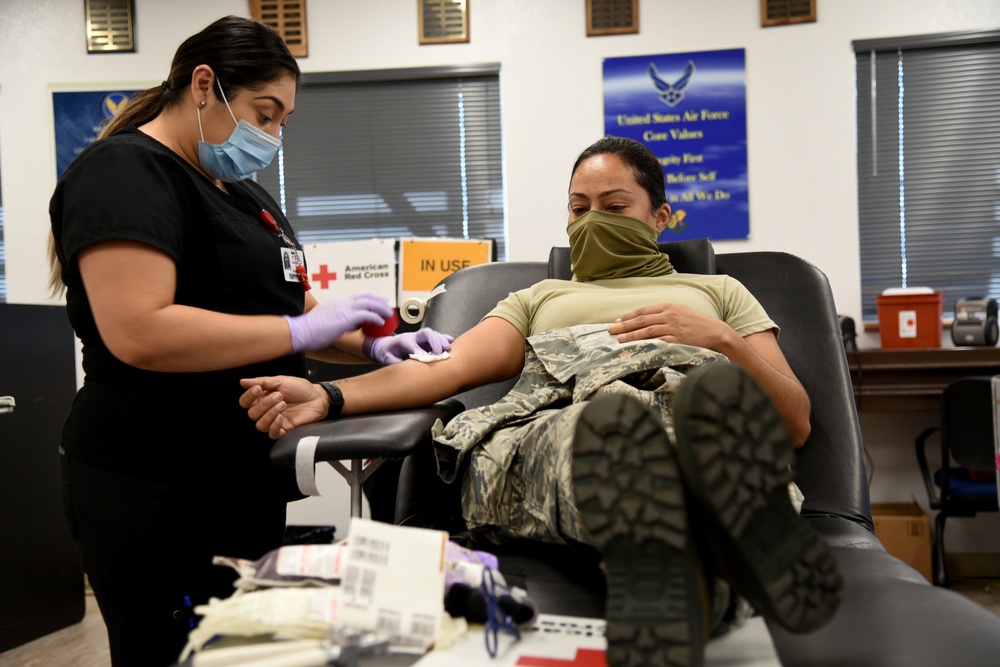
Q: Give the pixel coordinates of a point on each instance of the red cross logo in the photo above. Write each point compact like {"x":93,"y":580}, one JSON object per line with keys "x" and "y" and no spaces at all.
{"x":324,"y":277}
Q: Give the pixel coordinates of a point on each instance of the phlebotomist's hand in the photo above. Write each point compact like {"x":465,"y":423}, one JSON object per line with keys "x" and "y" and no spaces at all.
{"x":324,"y":324}
{"x":393,"y":349}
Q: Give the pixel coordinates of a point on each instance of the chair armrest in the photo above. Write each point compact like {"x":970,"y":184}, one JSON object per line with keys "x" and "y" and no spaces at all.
{"x":390,"y":435}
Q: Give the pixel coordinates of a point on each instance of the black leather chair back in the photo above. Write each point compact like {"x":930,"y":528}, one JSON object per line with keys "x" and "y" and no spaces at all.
{"x":967,"y":422}
{"x":830,"y":468}
{"x":470,"y":294}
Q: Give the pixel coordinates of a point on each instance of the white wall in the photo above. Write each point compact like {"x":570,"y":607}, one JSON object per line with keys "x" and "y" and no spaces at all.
{"x":800,"y":98}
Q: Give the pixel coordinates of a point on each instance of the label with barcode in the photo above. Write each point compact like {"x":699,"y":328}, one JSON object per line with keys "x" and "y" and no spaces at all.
{"x":311,"y":560}
{"x":324,"y":604}
{"x":359,"y":586}
{"x":371,"y":551}
{"x":389,"y":621}
{"x":423,"y":625}
{"x":393,"y":581}
{"x":569,"y":625}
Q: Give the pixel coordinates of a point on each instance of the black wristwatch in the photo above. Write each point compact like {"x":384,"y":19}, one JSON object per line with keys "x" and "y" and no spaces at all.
{"x":336,"y":399}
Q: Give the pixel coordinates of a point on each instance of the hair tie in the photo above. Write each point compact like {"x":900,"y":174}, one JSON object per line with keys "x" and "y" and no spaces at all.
{"x":166,"y":86}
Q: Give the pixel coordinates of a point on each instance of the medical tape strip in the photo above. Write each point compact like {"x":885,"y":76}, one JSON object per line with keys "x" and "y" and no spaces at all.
{"x":305,"y":465}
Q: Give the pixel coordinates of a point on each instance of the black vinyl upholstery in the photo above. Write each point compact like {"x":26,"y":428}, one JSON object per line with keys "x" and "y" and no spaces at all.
{"x":890,"y":615}
{"x":830,"y":468}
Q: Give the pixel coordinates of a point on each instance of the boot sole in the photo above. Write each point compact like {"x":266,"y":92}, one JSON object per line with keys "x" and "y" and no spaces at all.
{"x":630,"y":496}
{"x":736,"y":456}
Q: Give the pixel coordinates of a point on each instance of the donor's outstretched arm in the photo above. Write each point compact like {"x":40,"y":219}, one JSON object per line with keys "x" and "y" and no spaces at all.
{"x":491,"y":351}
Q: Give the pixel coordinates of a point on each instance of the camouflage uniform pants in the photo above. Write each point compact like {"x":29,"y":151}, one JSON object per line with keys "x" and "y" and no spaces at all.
{"x":518,"y":481}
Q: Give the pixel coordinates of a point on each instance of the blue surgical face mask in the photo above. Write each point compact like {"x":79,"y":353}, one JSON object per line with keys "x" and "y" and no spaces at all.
{"x":248,"y":150}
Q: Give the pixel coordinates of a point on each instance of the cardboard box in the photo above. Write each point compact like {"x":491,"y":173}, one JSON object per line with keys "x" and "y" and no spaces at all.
{"x":910,"y":320}
{"x":905,"y":531}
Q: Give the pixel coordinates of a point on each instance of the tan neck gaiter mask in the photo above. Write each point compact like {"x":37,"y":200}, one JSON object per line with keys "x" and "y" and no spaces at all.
{"x":607,"y":245}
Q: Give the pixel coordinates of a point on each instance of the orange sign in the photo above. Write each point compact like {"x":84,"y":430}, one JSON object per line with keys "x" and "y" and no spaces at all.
{"x":425,"y":262}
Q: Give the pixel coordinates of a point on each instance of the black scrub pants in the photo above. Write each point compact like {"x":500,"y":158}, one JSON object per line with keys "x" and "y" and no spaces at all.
{"x":147,"y":550}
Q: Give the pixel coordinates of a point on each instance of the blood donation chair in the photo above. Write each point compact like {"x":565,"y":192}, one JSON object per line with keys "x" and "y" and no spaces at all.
{"x":889,"y":614}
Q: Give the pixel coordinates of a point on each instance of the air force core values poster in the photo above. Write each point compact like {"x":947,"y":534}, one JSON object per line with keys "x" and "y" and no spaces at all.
{"x":690,"y":110}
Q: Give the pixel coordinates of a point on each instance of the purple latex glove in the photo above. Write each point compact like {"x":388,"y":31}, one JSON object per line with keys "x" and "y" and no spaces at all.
{"x":393,"y":349}
{"x":327,"y":322}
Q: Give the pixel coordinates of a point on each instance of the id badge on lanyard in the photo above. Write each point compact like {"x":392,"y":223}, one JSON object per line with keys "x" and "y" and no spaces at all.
{"x":291,"y":260}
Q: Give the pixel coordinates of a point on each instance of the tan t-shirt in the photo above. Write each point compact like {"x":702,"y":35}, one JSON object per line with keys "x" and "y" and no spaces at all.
{"x":554,"y":304}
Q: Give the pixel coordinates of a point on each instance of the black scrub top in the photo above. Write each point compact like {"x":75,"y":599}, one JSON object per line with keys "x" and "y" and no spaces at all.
{"x":177,"y":427}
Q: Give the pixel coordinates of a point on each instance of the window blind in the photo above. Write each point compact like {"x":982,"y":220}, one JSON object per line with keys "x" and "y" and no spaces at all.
{"x":394,"y":154}
{"x":928,"y":116}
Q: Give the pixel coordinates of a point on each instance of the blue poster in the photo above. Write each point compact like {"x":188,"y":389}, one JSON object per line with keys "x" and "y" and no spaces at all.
{"x":79,"y":117}
{"x":689,"y":109}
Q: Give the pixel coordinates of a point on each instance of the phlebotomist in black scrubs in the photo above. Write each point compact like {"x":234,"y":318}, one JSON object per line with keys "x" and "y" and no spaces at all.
{"x":181,"y":277}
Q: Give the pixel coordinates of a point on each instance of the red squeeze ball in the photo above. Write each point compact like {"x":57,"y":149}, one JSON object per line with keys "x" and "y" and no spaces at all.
{"x":373,"y":330}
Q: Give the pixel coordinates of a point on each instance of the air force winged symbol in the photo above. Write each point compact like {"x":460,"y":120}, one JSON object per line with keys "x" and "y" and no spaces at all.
{"x":671,"y":93}
{"x":112,"y":103}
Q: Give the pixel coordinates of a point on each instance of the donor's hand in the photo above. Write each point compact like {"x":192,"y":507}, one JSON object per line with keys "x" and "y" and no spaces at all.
{"x":279,"y":404}
{"x":672,"y":323}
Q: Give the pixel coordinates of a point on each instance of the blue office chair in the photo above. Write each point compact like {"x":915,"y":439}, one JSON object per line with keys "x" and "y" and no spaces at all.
{"x":970,"y":487}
